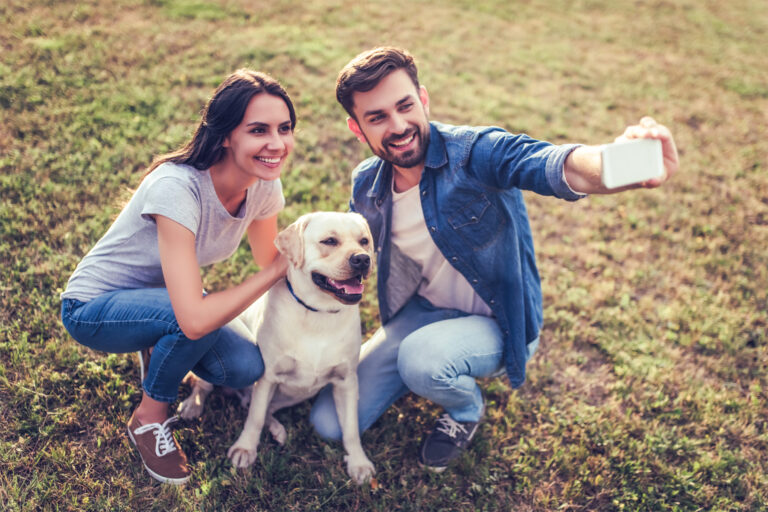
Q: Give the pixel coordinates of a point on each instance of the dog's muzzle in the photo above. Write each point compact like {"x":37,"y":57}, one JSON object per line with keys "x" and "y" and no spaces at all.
{"x":350,"y":290}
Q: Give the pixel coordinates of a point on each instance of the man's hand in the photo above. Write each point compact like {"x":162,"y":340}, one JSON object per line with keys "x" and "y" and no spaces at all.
{"x":648,"y":128}
{"x":584,"y":165}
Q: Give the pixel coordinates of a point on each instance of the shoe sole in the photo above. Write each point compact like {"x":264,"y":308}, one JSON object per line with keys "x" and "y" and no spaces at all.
{"x":434,"y":469}
{"x":141,"y":366}
{"x":159,"y":478}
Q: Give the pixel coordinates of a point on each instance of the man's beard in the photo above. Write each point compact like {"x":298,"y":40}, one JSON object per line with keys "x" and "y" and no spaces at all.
{"x":410,"y":158}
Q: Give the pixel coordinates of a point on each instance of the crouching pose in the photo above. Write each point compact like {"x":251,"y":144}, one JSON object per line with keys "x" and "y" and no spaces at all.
{"x":139,"y":288}
{"x":459,"y":292}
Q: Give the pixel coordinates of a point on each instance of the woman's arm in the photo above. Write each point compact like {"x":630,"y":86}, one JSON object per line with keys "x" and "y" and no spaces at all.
{"x":261,"y":238}
{"x":198,"y":315}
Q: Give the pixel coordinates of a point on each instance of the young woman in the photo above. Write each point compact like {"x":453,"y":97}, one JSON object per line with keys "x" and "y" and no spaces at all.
{"x":139,"y":288}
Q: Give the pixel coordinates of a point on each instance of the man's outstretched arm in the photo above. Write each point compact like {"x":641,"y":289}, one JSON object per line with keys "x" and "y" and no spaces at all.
{"x":583,"y":165}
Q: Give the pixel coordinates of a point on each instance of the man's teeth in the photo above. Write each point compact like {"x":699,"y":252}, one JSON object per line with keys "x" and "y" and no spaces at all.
{"x":404,"y":142}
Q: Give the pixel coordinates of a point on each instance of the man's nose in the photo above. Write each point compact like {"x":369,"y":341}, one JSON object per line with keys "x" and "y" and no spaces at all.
{"x":399,"y":124}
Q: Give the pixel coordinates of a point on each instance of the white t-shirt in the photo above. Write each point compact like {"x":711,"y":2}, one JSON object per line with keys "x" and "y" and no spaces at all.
{"x":127,"y":256}
{"x":441,"y":284}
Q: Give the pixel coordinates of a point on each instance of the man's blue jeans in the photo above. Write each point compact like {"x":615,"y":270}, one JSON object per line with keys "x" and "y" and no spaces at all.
{"x":435,"y":353}
{"x":132,"y":320}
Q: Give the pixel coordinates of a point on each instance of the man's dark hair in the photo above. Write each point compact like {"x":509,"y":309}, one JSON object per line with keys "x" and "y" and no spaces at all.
{"x":365,"y":71}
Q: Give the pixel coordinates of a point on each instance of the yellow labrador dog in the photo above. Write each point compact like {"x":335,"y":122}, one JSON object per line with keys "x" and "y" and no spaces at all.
{"x":308,"y":330}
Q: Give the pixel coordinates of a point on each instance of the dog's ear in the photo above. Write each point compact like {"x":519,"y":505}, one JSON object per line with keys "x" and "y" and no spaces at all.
{"x":368,"y":234}
{"x":290,"y":242}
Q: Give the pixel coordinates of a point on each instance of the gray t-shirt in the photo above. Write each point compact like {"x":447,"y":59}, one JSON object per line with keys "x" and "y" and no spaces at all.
{"x":127,"y":256}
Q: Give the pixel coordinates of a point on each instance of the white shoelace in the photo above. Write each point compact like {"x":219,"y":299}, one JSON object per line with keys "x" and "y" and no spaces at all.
{"x":163,"y":437}
{"x":449,"y":426}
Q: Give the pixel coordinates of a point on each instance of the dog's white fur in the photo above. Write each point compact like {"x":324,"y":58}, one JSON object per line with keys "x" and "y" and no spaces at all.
{"x":304,"y":350}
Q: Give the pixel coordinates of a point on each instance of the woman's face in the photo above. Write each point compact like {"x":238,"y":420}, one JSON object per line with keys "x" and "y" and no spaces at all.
{"x":261,"y":143}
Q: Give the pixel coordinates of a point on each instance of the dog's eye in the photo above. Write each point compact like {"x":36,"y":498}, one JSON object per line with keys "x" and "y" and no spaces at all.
{"x":330,"y":241}
{"x":363,"y":242}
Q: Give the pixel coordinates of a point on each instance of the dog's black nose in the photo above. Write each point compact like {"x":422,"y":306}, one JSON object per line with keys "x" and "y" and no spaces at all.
{"x":360,"y":261}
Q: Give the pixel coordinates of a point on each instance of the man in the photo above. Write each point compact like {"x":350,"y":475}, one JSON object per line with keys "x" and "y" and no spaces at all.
{"x":459,"y":292}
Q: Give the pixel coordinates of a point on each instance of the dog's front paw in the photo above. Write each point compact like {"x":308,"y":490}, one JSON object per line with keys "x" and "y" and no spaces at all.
{"x":242,"y":454}
{"x":360,"y":469}
{"x":191,"y":408}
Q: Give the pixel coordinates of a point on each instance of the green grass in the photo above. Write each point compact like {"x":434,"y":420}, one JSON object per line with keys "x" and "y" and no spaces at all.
{"x":649,"y":389}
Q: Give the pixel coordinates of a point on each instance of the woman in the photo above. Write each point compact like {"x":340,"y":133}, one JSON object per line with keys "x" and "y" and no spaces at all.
{"x":139,"y":288}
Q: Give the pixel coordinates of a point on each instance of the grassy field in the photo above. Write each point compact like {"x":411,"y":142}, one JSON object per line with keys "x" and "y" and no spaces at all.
{"x":649,"y":389}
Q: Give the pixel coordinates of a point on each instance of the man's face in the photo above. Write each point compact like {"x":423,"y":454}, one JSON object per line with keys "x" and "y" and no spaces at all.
{"x":393,"y":119}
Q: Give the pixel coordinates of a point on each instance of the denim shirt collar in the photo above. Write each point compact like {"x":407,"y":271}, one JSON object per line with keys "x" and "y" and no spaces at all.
{"x":435,"y":158}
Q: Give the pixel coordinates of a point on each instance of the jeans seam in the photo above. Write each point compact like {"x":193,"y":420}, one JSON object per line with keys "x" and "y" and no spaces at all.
{"x":224,"y":372}
{"x":163,"y":365}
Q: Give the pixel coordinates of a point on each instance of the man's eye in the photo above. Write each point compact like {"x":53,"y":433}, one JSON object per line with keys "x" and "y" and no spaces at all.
{"x":330,"y":241}
{"x":406,"y":107}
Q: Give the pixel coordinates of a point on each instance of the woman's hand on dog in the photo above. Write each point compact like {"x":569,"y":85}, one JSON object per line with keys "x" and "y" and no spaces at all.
{"x":278,"y":268}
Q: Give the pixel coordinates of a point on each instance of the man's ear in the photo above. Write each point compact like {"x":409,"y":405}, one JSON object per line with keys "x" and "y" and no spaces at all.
{"x":355,"y":128}
{"x":424,"y":97}
{"x":290,"y":241}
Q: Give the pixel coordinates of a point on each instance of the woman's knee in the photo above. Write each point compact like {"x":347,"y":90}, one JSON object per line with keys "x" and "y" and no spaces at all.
{"x":244,"y":371}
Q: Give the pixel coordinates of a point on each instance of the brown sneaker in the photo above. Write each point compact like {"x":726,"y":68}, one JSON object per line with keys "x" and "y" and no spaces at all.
{"x":144,"y":362}
{"x":159,"y":450}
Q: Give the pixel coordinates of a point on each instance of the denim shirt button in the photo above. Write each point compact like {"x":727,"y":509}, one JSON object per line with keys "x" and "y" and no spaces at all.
{"x":454,"y":259}
{"x":423,"y":192}
{"x":493,"y":301}
{"x":475,"y":282}
{"x":433,"y":228}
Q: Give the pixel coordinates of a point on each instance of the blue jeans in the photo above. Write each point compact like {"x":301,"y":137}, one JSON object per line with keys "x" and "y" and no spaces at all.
{"x":435,"y":353}
{"x":132,"y":320}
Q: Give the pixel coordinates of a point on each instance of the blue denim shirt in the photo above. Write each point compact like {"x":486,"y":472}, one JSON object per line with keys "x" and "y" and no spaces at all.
{"x":474,"y":209}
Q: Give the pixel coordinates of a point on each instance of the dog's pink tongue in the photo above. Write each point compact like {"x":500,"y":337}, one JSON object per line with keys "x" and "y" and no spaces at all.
{"x":348,"y":286}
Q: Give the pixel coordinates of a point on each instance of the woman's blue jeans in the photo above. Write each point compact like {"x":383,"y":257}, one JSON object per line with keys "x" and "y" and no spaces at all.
{"x":132,"y":320}
{"x":435,"y":353}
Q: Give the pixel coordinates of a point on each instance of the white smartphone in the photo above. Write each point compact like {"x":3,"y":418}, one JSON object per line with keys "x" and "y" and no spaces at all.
{"x":633,"y":161}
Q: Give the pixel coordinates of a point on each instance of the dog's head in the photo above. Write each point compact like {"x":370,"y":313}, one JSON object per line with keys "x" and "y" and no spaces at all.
{"x":333,"y":251}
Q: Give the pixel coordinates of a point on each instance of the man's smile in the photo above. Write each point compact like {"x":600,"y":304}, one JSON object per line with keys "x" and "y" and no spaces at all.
{"x":403,"y":143}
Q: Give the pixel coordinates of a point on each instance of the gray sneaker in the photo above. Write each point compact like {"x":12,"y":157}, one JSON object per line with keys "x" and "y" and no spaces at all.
{"x":446,"y":442}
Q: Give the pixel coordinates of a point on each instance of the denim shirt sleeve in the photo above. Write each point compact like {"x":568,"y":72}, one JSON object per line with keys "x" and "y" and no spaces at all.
{"x":505,"y":160}
{"x":556,"y":173}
